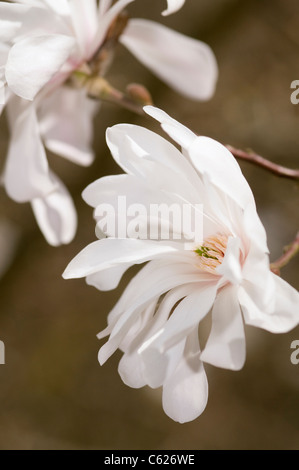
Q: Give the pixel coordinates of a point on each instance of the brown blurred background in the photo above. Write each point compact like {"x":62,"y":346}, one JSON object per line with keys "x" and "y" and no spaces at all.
{"x":53,"y":392}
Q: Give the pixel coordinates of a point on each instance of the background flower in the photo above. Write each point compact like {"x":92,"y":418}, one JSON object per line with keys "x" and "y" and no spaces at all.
{"x":44,"y":43}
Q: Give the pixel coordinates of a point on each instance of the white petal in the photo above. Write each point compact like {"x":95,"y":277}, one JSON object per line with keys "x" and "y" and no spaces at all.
{"x":109,"y":252}
{"x":104,"y":6}
{"x":185,"y":393}
{"x":147,"y":155}
{"x":56,"y":215}
{"x":106,"y":18}
{"x":173,"y":6}
{"x":66,"y":123}
{"x":33,"y":61}
{"x":230,"y":268}
{"x":85,"y":20}
{"x":130,"y":370}
{"x":26,"y":173}
{"x":109,"y":278}
{"x":186,"y":316}
{"x":226,"y":343}
{"x":179,"y":133}
{"x":160,"y":279}
{"x":11,"y":17}
{"x":213,"y":159}
{"x":187,"y":65}
{"x":282,"y":314}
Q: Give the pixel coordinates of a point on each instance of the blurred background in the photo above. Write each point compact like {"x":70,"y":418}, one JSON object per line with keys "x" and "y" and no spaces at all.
{"x":53,"y":392}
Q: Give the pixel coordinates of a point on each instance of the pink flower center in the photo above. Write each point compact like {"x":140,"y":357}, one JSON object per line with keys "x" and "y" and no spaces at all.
{"x":211,"y":253}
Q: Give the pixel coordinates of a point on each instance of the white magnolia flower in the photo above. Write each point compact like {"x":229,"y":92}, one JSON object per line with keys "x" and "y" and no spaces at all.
{"x":42,"y":43}
{"x":155,"y":323}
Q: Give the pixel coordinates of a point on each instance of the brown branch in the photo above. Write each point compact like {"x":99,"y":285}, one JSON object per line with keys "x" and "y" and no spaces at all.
{"x":290,"y":252}
{"x":252,"y":157}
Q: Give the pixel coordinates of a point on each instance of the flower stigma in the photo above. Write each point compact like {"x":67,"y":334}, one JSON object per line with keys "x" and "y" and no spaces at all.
{"x":211,"y":253}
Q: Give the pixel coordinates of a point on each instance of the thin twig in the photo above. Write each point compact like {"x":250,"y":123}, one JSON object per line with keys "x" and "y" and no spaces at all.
{"x":252,"y":157}
{"x":290,"y":252}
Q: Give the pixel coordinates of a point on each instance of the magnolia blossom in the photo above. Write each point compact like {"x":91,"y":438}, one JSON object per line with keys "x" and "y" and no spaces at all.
{"x":42,"y":44}
{"x":226,"y":271}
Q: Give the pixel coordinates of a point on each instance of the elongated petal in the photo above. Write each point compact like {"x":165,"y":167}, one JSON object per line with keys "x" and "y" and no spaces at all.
{"x":282,"y":314}
{"x":173,"y":6}
{"x":33,"y":61}
{"x":230,"y":268}
{"x":11,"y":17}
{"x":187,"y":65}
{"x":110,"y":252}
{"x":213,"y":159}
{"x":226,"y":343}
{"x":26,"y":174}
{"x":177,"y":131}
{"x":186,"y":316}
{"x":165,"y":278}
{"x":85,"y":21}
{"x":66,"y":123}
{"x":185,"y":393}
{"x":108,"y":279}
{"x":56,"y":215}
{"x":107,"y":16}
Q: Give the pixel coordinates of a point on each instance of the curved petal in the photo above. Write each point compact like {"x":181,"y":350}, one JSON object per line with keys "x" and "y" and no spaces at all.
{"x":33,"y":61}
{"x":108,"y":279}
{"x":185,"y":393}
{"x":213,"y":159}
{"x":26,"y":174}
{"x":173,"y":6}
{"x":282,"y":314}
{"x":187,"y":65}
{"x":84,"y":16}
{"x":66,"y":124}
{"x":179,"y":133}
{"x":230,"y":268}
{"x":56,"y":215}
{"x":226,"y":343}
{"x":111,"y":252}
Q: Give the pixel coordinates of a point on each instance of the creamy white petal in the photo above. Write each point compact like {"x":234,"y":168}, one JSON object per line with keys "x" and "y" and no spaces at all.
{"x":104,"y":6}
{"x":33,"y":61}
{"x":230,"y":267}
{"x":213,"y":159}
{"x":26,"y":174}
{"x":177,"y":131}
{"x":226,"y":346}
{"x":106,"y":19}
{"x":11,"y":17}
{"x":186,"y":316}
{"x":187,"y":65}
{"x":160,"y":281}
{"x":109,"y":278}
{"x":66,"y":123}
{"x":149,"y":156}
{"x":56,"y":215}
{"x":109,"y":252}
{"x":185,"y":393}
{"x":173,"y":6}
{"x":280,"y":316}
{"x":84,"y":16}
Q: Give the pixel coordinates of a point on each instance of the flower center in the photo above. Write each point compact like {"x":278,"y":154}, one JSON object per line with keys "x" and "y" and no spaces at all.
{"x":211,"y":253}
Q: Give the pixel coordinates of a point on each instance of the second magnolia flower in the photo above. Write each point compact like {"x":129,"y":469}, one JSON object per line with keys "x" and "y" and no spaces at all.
{"x":155,"y":322}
